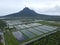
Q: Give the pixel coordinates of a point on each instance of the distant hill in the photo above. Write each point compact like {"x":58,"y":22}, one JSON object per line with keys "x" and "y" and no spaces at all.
{"x":28,"y":13}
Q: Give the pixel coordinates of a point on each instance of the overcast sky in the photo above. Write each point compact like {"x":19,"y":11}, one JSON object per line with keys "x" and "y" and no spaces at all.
{"x":40,"y":6}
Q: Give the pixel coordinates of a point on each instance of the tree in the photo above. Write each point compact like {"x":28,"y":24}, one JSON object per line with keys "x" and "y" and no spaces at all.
{"x":0,"y":38}
{"x":2,"y":24}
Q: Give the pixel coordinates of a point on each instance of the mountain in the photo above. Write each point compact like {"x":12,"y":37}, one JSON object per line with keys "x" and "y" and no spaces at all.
{"x":28,"y":13}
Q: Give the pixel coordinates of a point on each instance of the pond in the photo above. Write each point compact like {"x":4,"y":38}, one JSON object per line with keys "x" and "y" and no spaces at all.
{"x":19,"y":36}
{"x":29,"y":34}
{"x":35,"y":31}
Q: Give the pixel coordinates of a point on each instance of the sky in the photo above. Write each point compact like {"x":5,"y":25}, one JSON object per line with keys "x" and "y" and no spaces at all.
{"x":50,"y":7}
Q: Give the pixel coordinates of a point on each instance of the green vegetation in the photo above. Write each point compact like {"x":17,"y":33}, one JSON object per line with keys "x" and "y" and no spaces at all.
{"x":2,"y":24}
{"x":0,"y":40}
{"x":53,"y":39}
{"x":10,"y":39}
{"x":2,"y":27}
{"x":1,"y":43}
{"x":49,"y":23}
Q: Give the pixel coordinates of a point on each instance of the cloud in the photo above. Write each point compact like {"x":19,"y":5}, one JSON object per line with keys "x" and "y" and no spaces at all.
{"x":53,"y":11}
{"x":40,"y":6}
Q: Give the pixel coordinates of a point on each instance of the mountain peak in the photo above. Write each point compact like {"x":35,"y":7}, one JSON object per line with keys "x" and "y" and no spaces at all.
{"x":26,"y":9}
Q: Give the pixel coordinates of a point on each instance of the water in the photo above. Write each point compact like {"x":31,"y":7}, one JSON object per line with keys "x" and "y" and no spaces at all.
{"x":1,"y":33}
{"x":19,"y":36}
{"x":46,"y":28}
{"x":35,"y":31}
{"x":41,"y":30}
{"x":29,"y":34}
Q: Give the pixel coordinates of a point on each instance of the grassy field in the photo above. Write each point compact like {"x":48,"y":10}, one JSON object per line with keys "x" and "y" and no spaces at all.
{"x":49,"y":23}
{"x":10,"y":39}
{"x":1,"y":43}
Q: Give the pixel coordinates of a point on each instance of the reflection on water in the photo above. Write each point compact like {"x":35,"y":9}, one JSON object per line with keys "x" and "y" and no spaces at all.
{"x":19,"y":36}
